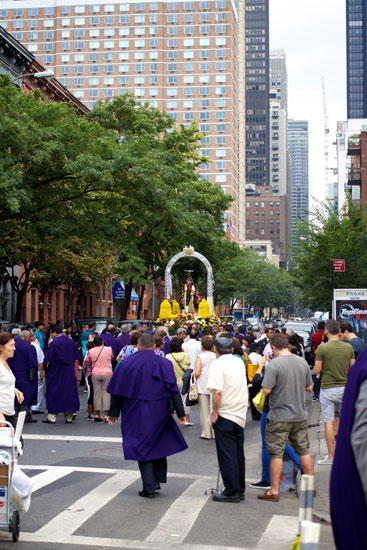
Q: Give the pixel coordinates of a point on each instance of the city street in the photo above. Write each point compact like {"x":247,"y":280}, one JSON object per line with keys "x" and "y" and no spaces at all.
{"x":85,"y":496}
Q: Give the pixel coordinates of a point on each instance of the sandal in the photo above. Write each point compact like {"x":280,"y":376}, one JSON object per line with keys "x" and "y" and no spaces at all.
{"x":268,"y":496}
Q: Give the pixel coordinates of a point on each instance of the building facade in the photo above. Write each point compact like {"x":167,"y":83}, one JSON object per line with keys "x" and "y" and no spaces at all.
{"x":356,"y":58}
{"x":298,"y":192}
{"x":257,"y":91}
{"x":180,"y":57}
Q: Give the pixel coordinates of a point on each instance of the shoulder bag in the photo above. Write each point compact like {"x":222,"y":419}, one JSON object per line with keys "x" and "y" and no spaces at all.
{"x":94,"y":362}
{"x":259,"y":401}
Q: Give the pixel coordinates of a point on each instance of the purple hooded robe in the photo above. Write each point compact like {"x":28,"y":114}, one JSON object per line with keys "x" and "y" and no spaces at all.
{"x":25,"y":357}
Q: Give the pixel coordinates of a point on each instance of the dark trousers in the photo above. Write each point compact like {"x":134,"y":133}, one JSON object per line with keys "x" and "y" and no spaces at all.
{"x":152,"y":472}
{"x":229,"y":440}
{"x":254,"y":412}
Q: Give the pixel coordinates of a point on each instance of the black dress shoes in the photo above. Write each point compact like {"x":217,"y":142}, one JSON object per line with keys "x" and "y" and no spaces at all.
{"x":30,"y":419}
{"x":146,"y":494}
{"x":157,"y":486}
{"x":220,"y":497}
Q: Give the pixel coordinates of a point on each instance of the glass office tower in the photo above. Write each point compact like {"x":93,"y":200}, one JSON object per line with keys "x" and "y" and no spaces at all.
{"x":356,"y":58}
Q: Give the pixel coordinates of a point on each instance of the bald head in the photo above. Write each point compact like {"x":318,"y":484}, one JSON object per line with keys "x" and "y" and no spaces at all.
{"x":146,"y":341}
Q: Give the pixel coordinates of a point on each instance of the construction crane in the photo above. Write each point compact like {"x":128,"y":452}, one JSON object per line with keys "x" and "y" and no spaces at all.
{"x":326,"y":141}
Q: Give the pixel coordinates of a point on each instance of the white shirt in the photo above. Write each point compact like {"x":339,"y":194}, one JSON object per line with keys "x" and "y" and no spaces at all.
{"x":207,"y":358}
{"x":192,"y":347}
{"x":7,"y":391}
{"x":228,"y":374}
{"x":40,"y":354}
{"x":255,"y":358}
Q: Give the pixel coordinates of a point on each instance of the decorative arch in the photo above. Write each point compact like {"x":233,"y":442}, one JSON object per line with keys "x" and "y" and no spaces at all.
{"x":189,"y":251}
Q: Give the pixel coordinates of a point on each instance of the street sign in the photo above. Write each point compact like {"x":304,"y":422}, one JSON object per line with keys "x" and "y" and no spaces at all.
{"x":118,"y":291}
{"x":338,"y":265}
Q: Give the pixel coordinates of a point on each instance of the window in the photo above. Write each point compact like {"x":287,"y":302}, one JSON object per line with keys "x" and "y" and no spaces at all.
{"x":220,"y":29}
{"x":79,"y":58}
{"x":48,"y":11}
{"x":172,"y":104}
{"x":204,"y":152}
{"x":65,"y":81}
{"x":172,"y":6}
{"x":65,"y":34}
{"x":204,"y":54}
{"x":188,"y":91}
{"x":124,"y":80}
{"x":220,"y":54}
{"x":139,"y":18}
{"x":205,"y":140}
{"x":204,"y":116}
{"x":220,"y":90}
{"x":4,"y":13}
{"x":138,"y":92}
{"x":124,"y":56}
{"x":171,"y":92}
{"x":188,"y":79}
{"x":153,"y":43}
{"x":153,"y":79}
{"x":95,"y":8}
{"x":95,"y":20}
{"x":204,"y":42}
{"x":33,"y":48}
{"x":188,"y":104}
{"x":205,"y":66}
{"x":33,"y":36}
{"x":78,"y":81}
{"x":220,"y":140}
{"x":153,"y":6}
{"x":124,"y":43}
{"x":109,"y":68}
{"x":204,"y":18}
{"x":220,"y":17}
{"x":124,"y":7}
{"x":204,"y":91}
{"x":172,"y":79}
{"x":79,"y":33}
{"x":172,"y":18}
{"x":18,"y":24}
{"x":79,"y":45}
{"x":139,"y":43}
{"x":221,"y":178}
{"x":220,"y":128}
{"x":18,"y":12}
{"x":47,"y":59}
{"x":32,"y":24}
{"x":93,"y":57}
{"x":79,"y":69}
{"x":79,"y":9}
{"x":204,"y":79}
{"x":220,"y":115}
{"x":153,"y":67}
{"x":189,"y":30}
{"x":93,"y":93}
{"x":189,"y":17}
{"x":32,"y":12}
{"x":18,"y":36}
{"x":220,"y":153}
{"x":139,"y":56}
{"x":220,"y":65}
{"x":107,"y":93}
{"x":109,"y":44}
{"x":220,"y":103}
{"x":109,"y":19}
{"x":139,"y":67}
{"x":153,"y":18}
{"x":79,"y":21}
{"x":109,"y":32}
{"x":153,"y":55}
{"x":140,"y":6}
{"x":124,"y":68}
{"x":204,"y":29}
{"x":171,"y":67}
{"x":220,"y":4}
{"x":172,"y":31}
{"x":189,"y":6}
{"x":220,"y":41}
{"x":93,"y":69}
{"x":172,"y":55}
{"x":47,"y":23}
{"x":108,"y":81}
{"x":204,"y":128}
{"x":65,"y":10}
{"x":188,"y":67}
{"x":221,"y":165}
{"x":204,"y":166}
{"x":47,"y":47}
{"x":205,"y":5}
{"x":204,"y":103}
{"x":153,"y":31}
{"x":139,"y":31}
{"x":220,"y":78}
{"x":65,"y":58}
{"x":124,"y":19}
{"x":124,"y":32}
{"x":109,"y":8}
{"x":188,"y":116}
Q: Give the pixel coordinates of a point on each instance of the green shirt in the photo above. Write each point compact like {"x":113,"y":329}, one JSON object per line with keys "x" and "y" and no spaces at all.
{"x":335,"y":357}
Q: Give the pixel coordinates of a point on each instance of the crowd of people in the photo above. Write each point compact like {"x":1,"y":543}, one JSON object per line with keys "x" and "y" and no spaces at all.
{"x":145,"y":373}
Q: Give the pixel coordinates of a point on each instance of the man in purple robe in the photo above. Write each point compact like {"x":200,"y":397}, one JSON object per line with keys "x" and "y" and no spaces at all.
{"x":124,"y":338}
{"x":142,"y":388}
{"x":61,"y":362}
{"x":24,"y":366}
{"x":109,"y":340}
{"x":348,"y":482}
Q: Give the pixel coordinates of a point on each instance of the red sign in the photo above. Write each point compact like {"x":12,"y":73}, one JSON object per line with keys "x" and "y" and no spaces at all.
{"x":338,"y":265}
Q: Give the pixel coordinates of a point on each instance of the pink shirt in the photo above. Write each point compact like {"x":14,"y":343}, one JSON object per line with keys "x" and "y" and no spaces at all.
{"x":100,"y":359}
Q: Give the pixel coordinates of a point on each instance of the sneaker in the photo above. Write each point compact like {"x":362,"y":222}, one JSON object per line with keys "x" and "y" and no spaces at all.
{"x":325,"y":461}
{"x":260,"y":485}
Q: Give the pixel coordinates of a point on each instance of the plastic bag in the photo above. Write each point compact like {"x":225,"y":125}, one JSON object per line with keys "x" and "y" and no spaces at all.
{"x":21,"y":490}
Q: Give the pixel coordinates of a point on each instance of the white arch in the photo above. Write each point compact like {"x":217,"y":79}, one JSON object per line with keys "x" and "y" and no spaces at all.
{"x":189,"y":251}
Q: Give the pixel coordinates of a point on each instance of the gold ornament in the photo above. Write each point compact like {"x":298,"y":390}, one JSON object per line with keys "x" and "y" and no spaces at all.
{"x":188,"y":250}
{"x":175,"y":307}
{"x":165,"y":311}
{"x":204,"y":309}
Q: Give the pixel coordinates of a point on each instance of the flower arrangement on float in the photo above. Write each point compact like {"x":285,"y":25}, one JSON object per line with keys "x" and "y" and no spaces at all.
{"x":175,"y":319}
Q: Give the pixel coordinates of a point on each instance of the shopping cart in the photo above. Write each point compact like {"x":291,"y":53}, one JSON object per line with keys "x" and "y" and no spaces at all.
{"x":9,"y":517}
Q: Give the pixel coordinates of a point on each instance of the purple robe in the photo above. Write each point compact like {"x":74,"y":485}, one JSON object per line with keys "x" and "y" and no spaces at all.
{"x":25,"y":357}
{"x":111,"y":342}
{"x":146,"y":382}
{"x":167,"y":345}
{"x":62,"y":390}
{"x":123,"y":340}
{"x":347,"y":501}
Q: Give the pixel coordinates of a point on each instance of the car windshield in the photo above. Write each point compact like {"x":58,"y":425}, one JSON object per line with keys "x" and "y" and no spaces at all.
{"x":298,"y":326}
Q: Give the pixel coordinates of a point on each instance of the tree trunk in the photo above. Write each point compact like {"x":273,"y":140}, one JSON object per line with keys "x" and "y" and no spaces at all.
{"x":21,"y":289}
{"x":126,"y":302}
{"x":141,"y":300}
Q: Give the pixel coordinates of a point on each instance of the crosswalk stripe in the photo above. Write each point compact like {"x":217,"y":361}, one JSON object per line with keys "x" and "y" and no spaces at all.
{"x":66,"y":523}
{"x":286,"y":529}
{"x":81,"y":438}
{"x":187,"y":507}
{"x":49,"y":476}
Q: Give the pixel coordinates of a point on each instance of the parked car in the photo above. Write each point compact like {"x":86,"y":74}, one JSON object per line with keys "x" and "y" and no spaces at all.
{"x":303,"y":326}
{"x":101,"y":322}
{"x":254,"y":323}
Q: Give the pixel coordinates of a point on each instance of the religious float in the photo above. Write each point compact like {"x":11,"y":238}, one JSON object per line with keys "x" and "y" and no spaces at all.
{"x":184,"y":315}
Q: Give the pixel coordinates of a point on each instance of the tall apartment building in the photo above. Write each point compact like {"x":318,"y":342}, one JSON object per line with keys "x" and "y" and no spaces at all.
{"x":179,"y":56}
{"x":278,"y":134}
{"x":298,"y":201}
{"x":357,"y":58}
{"x":257,"y":91}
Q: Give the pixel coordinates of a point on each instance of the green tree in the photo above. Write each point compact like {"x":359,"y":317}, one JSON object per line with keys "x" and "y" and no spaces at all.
{"x":330,"y":235}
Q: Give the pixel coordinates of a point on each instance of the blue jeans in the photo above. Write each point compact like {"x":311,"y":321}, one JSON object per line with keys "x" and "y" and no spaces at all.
{"x":265,"y":459}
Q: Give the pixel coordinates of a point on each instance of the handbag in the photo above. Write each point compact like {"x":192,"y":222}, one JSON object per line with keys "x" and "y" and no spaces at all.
{"x":259,"y":401}
{"x":193,"y":391}
{"x":33,"y":373}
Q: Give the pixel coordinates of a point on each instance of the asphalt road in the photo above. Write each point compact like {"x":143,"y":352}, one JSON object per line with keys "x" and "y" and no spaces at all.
{"x":86,"y":496}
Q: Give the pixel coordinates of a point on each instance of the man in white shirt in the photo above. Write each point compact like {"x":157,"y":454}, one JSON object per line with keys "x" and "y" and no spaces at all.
{"x":37,"y":409}
{"x":192,"y":347}
{"x":228,"y":384}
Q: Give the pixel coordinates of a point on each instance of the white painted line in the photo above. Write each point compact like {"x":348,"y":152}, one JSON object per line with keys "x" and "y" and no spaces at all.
{"x":49,"y":476}
{"x":97,"y":542}
{"x":82,"y":438}
{"x":280,"y":532}
{"x":66,"y":523}
{"x":187,"y":507}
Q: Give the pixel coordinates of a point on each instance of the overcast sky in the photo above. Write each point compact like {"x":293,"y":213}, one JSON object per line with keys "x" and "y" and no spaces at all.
{"x":312,"y":33}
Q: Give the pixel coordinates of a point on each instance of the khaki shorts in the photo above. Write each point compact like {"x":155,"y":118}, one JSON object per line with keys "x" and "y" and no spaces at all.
{"x":278,"y":433}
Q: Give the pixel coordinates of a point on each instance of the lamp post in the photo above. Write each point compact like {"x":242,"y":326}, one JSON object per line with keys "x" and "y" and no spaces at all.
{"x":47,"y":75}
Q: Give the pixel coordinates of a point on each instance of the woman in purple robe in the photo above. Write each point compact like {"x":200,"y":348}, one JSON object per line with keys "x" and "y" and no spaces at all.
{"x":61,"y":360}
{"x":142,"y":388}
{"x":22,"y":364}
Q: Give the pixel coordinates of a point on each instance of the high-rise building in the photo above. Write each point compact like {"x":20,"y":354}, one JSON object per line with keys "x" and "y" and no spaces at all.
{"x":257,"y":92}
{"x":278,"y":162}
{"x":298,"y":201}
{"x":279,"y":77}
{"x":357,"y":58}
{"x":178,"y":56}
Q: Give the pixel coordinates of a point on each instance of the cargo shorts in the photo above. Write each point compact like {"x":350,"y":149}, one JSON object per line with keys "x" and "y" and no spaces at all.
{"x":278,"y":433}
